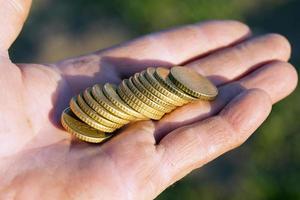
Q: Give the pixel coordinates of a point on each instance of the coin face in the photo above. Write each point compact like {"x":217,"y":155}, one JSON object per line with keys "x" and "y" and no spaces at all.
{"x":110,"y":92}
{"x":87,"y":119}
{"x":80,"y":129}
{"x":193,"y":83}
{"x":162,"y":76}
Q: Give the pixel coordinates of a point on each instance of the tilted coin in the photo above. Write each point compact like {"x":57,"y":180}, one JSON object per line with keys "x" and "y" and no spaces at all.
{"x":87,"y":119}
{"x":80,"y":129}
{"x":145,"y":99}
{"x":161,"y":74}
{"x":136,"y":104}
{"x":97,"y":93}
{"x":193,"y":83}
{"x":159,"y":99}
{"x":93,"y":114}
{"x":154,"y":91}
{"x":89,"y":99}
{"x":149,"y":74}
{"x":124,"y":86}
{"x":110,"y":91}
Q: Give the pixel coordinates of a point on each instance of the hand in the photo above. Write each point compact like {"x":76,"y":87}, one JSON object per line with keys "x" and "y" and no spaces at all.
{"x":39,"y":159}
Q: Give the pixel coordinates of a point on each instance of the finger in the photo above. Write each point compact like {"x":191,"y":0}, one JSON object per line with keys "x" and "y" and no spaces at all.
{"x":192,"y":146}
{"x":233,"y":62}
{"x":170,"y":47}
{"x":277,"y":79}
{"x":12,"y":17}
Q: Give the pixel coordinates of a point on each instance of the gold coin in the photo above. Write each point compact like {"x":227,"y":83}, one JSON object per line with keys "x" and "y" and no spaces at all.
{"x":149,"y":74}
{"x":144,"y":99}
{"x":159,"y":99}
{"x":124,"y":86}
{"x":93,"y":114}
{"x":154,"y":91}
{"x":89,"y":99}
{"x":97,"y":93}
{"x":193,"y":83}
{"x":87,"y":119}
{"x":136,"y":104}
{"x":81,"y":130}
{"x":110,"y":92}
{"x":161,"y":74}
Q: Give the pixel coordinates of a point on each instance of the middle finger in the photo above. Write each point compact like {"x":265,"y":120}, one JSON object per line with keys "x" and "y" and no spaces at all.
{"x":233,"y":62}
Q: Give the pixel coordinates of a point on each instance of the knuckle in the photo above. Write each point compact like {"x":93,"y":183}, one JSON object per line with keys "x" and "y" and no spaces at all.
{"x":262,"y":96}
{"x":228,"y":132}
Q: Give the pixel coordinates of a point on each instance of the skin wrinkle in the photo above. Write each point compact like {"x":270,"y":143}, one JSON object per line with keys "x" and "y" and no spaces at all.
{"x":3,"y":54}
{"x":16,"y":5}
{"x":19,"y":76}
{"x":224,"y":135}
{"x":127,"y":190}
{"x":47,"y":74}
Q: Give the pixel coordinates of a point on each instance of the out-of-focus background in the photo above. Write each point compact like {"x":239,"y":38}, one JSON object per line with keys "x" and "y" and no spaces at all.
{"x":268,"y":165}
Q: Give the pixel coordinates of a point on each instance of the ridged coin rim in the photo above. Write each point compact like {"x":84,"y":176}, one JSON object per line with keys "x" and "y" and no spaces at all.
{"x":87,"y":95}
{"x":97,"y":93}
{"x":149,"y":75}
{"x":93,"y":114}
{"x":87,"y":119}
{"x":115,"y":99}
{"x":144,"y":98}
{"x":98,"y":137}
{"x":160,"y":99}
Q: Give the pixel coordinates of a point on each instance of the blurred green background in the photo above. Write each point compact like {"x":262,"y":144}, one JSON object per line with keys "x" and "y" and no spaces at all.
{"x":268,"y":165}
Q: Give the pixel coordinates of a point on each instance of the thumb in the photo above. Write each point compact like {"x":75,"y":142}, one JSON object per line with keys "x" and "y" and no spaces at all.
{"x":13,"y":14}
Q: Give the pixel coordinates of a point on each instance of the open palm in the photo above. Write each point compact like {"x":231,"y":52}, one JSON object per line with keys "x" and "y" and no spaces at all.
{"x":39,"y":159}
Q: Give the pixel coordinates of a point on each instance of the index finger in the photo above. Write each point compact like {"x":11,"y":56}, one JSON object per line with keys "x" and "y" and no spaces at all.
{"x":165,"y":48}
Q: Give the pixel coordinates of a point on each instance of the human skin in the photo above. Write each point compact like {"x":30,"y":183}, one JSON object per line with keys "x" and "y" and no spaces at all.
{"x":41,"y":160}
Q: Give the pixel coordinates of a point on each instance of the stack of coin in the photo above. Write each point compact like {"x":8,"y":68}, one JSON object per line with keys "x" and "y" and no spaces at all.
{"x":98,"y":111}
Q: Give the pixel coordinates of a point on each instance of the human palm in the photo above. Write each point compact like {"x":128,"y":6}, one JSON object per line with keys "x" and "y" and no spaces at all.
{"x":38,"y":158}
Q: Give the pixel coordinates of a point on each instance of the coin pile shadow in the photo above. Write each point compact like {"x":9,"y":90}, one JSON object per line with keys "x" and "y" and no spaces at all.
{"x":61,"y":98}
{"x":127,"y":66}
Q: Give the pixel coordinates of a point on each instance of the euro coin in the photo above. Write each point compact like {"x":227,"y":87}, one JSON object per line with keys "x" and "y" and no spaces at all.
{"x":143,"y":98}
{"x":124,"y":86}
{"x":97,"y":93}
{"x":89,"y":99}
{"x":110,"y":92}
{"x":149,"y":74}
{"x":138,"y":105}
{"x":80,"y":129}
{"x":193,"y":83}
{"x":154,"y":91}
{"x":93,"y":114}
{"x":161,"y":74}
{"x":159,"y":99}
{"x":87,"y":119}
